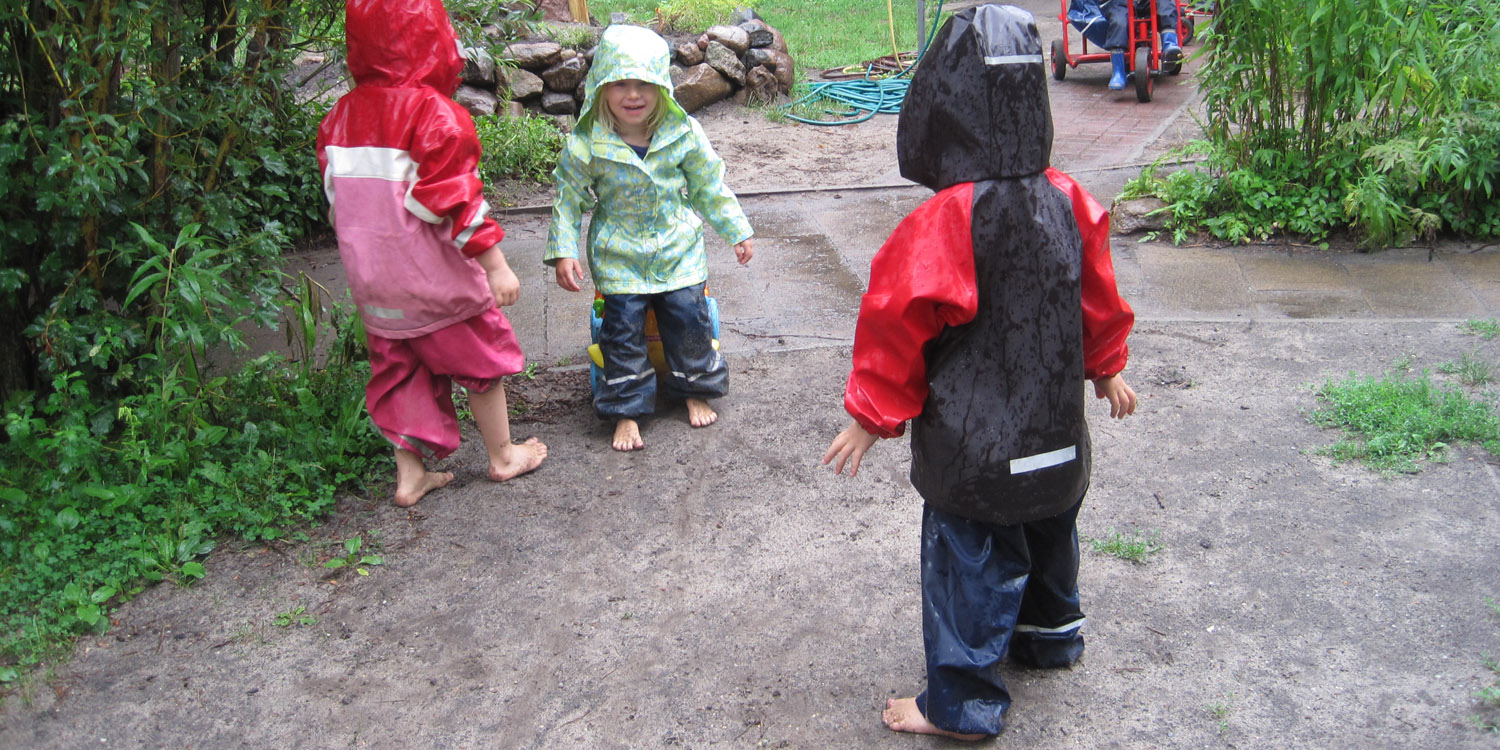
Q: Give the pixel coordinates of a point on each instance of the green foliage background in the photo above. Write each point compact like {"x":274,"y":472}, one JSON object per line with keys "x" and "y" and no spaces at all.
{"x":1378,"y":115}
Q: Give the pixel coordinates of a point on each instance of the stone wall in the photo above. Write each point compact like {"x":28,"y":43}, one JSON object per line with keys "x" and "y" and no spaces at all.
{"x":747,"y":61}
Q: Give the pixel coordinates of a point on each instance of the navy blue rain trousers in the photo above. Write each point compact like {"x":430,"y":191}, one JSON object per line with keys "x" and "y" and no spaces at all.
{"x":695,"y":369}
{"x":989,"y":590}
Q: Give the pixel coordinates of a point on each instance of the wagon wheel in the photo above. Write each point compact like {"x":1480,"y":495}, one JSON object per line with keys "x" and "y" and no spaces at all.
{"x":1059,"y":60}
{"x":1189,"y":24}
{"x":1143,"y":74}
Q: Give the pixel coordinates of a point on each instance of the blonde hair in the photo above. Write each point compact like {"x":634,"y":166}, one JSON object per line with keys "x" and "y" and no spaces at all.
{"x":658,"y":112}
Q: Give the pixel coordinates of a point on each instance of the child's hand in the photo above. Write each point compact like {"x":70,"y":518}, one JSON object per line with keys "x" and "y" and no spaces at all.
{"x":743,"y":252}
{"x":503,"y":282}
{"x":850,"y":445}
{"x":569,"y":274}
{"x":1122,"y":399}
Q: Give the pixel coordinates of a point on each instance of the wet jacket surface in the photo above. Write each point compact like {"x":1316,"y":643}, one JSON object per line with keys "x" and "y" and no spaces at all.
{"x":400,"y":168}
{"x":991,"y":303}
{"x":645,"y":235}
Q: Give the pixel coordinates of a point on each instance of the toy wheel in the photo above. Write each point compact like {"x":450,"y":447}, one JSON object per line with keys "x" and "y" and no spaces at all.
{"x":1059,"y":60}
{"x":1143,"y":74}
{"x":1189,"y":24}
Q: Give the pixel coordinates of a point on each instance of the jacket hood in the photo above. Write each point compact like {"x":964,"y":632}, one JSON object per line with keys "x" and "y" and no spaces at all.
{"x":402,"y":43}
{"x":977,"y":107}
{"x":628,"y":52}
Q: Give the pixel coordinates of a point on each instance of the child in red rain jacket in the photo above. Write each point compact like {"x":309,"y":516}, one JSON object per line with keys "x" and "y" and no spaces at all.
{"x":987,"y":308}
{"x":399,"y":160}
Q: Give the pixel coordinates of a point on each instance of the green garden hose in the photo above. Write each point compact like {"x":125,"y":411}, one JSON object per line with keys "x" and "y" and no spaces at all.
{"x":865,"y":97}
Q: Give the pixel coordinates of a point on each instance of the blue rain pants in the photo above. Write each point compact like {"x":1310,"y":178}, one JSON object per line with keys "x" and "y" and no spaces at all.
{"x":628,"y":388}
{"x":989,"y":590}
{"x":1119,"y":23}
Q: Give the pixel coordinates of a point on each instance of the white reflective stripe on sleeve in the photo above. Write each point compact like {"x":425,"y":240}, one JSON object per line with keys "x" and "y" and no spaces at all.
{"x":1043,"y":460}
{"x":479,"y":217}
{"x":1070,"y":627}
{"x":1014,"y":60}
{"x":417,"y":209}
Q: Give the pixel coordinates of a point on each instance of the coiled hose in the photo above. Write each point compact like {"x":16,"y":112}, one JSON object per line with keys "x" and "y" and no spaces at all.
{"x":871,"y":94}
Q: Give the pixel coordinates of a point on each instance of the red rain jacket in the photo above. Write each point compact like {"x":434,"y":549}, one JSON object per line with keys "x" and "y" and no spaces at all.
{"x":400,"y":160}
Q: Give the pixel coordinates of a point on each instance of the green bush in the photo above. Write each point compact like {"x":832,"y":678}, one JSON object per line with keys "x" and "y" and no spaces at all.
{"x":1380,"y":116}
{"x":524,"y":147}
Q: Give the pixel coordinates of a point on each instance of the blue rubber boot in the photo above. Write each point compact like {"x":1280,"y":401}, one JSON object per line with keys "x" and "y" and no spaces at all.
{"x":1117,"y":74}
{"x":1170,"y":52}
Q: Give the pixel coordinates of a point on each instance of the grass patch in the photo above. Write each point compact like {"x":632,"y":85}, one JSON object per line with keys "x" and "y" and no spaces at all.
{"x":1135,"y":546}
{"x":1485,"y":329}
{"x":820,"y":34}
{"x":1470,"y":370}
{"x":1395,"y":422}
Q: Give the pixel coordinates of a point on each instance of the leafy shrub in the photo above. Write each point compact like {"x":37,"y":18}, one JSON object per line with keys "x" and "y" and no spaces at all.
{"x":524,"y":147}
{"x":1333,"y":114}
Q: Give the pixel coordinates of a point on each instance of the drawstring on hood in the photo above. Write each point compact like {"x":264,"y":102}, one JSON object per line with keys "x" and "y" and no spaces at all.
{"x":402,"y":44}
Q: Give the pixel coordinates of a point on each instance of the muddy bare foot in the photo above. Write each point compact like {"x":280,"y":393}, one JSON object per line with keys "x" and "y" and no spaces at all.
{"x":521,"y":458}
{"x":700,"y":414}
{"x":901,"y":715}
{"x":628,"y":436}
{"x":408,"y":493}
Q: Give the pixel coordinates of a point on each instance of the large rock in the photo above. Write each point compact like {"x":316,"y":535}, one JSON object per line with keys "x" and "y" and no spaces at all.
{"x":759,"y":33}
{"x":687,"y":54}
{"x":733,"y":37}
{"x":566,"y":75}
{"x":779,"y":63}
{"x":699,"y":86}
{"x":479,"y":102}
{"x":1142,"y":214}
{"x":479,"y":68}
{"x":524,"y":84}
{"x":559,"y":103}
{"x":533,"y":55}
{"x":724,"y":60}
{"x":761,"y":87}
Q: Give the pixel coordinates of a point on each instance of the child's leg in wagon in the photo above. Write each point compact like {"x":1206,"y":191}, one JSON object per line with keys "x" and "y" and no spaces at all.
{"x":696,"y":371}
{"x":627,"y":391}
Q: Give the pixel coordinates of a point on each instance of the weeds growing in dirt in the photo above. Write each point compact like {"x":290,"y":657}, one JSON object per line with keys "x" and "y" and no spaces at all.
{"x":1485,"y":329}
{"x":1220,"y":710}
{"x":352,"y":558}
{"x":1135,"y":546}
{"x":1488,"y":718}
{"x":295,"y":616}
{"x":1395,"y":422}
{"x":1470,"y":370}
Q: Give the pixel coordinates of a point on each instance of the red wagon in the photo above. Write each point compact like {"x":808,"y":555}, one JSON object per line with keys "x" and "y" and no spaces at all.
{"x":1143,"y":53}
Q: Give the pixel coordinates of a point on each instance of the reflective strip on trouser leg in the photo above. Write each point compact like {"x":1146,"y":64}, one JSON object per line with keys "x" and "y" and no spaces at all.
{"x":697,"y":370}
{"x":973,"y":579}
{"x":628,"y":388}
{"x":1048,"y":631}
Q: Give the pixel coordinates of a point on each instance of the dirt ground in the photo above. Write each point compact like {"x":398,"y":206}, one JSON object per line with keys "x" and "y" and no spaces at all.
{"x":722,"y":589}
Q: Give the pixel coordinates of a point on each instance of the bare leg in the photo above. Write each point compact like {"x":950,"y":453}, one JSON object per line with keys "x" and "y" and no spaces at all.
{"x":507,"y":460}
{"x":700,"y":414}
{"x":413,"y":480}
{"x":628,"y":436}
{"x":901,"y":715}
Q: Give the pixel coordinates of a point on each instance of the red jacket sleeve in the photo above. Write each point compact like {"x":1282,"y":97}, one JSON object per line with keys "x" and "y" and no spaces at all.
{"x":1107,"y":319}
{"x":448,"y":184}
{"x":921,"y":280}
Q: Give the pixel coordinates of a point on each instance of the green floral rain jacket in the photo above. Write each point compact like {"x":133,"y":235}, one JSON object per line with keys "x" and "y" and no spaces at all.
{"x":645,"y":236}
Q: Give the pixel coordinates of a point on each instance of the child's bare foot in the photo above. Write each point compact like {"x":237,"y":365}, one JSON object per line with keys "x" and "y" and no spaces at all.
{"x":628,"y":436}
{"x":409,"y":491}
{"x":700,"y":414}
{"x":519,"y":459}
{"x":901,"y":715}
